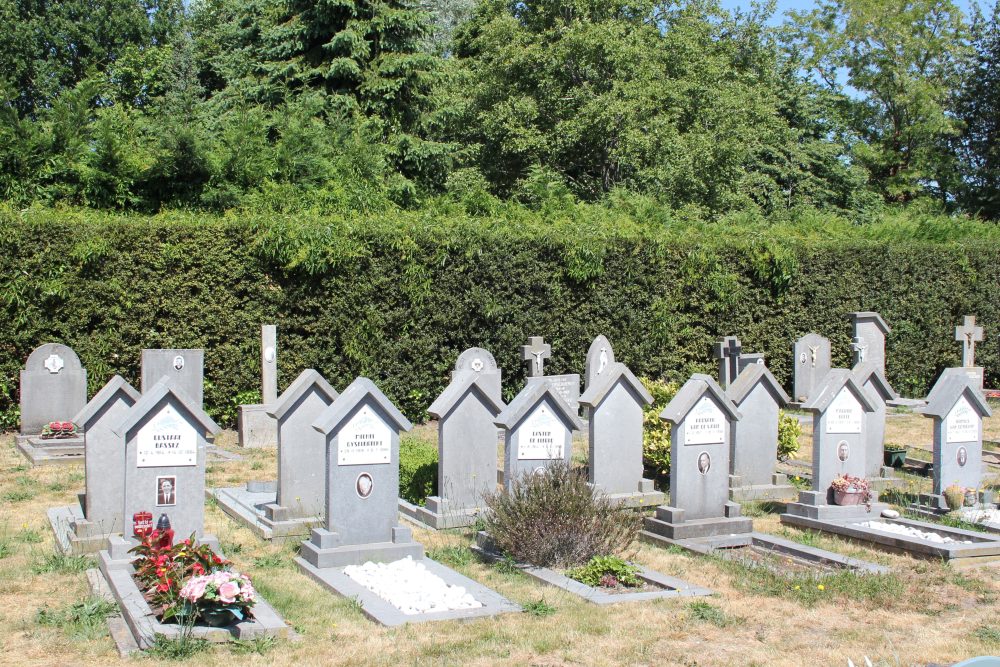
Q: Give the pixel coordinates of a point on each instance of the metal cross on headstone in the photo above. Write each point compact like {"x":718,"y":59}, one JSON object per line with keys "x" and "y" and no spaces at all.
{"x":536,"y":352}
{"x":968,"y":335}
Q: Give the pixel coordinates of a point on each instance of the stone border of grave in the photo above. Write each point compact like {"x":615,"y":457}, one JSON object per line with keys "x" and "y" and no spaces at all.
{"x":115,"y":565}
{"x":383,"y":612}
{"x":672,"y":586}
{"x":245,"y":506}
{"x":61,"y":520}
{"x":422,"y":517}
{"x":50,"y":452}
{"x":983,"y":548}
{"x":778,"y":545}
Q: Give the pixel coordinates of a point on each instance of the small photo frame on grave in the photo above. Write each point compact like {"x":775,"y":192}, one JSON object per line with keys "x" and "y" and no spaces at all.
{"x":962,"y":456}
{"x":704,"y":463}
{"x":843,"y":450}
{"x":166,"y":491}
{"x":364,"y":485}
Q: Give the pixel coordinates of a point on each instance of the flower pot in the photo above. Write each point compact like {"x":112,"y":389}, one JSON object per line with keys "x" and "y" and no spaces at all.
{"x":894,"y":458}
{"x":218,"y":618}
{"x":848,"y":497}
{"x":954,"y":499}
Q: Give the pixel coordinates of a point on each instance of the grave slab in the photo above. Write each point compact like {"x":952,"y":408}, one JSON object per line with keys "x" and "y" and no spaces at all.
{"x":41,"y":452}
{"x":53,"y":387}
{"x":248,"y":505}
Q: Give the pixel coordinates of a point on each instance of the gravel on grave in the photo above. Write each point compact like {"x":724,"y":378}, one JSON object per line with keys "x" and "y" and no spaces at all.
{"x":410,"y":587}
{"x":910,"y":531}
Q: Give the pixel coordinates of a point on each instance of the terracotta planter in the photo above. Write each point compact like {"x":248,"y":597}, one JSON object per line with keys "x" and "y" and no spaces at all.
{"x":849,"y":497}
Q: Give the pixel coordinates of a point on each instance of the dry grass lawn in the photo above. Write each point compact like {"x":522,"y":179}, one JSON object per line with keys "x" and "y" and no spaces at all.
{"x":925,"y":612}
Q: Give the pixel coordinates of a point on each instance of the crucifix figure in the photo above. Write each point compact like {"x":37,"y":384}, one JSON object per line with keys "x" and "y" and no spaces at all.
{"x":535,"y":352}
{"x":812,"y":354}
{"x":968,"y":335}
{"x":859,"y":347}
{"x":603,"y":361}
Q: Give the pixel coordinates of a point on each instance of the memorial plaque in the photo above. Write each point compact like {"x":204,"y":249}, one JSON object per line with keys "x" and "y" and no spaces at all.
{"x":706,"y":424}
{"x":167,"y":439}
{"x":541,"y":436}
{"x":962,"y":423}
{"x":365,"y":440}
{"x":845,"y":414}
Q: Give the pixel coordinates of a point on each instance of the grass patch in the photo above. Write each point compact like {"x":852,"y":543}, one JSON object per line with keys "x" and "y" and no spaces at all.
{"x":271,"y":561}
{"x":258,"y":645}
{"x":17,"y":496}
{"x":80,"y":620}
{"x":759,"y":508}
{"x":6,"y":548}
{"x":705,"y":611}
{"x":454,"y":555}
{"x":987,"y":634}
{"x":29,"y":536}
{"x":181,"y":647}
{"x":539,"y":608}
{"x":61,"y":564}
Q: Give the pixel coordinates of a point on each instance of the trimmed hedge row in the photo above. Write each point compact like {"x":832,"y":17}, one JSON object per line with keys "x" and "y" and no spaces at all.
{"x":398,"y":297}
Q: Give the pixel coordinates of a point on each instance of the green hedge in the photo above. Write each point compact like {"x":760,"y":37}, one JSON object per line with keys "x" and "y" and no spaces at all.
{"x":397,"y":297}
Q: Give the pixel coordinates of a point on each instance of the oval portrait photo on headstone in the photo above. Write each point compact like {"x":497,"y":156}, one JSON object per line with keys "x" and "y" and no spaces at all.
{"x":364,"y":485}
{"x":962,"y":456}
{"x":704,"y":463}
{"x":843,"y":450}
{"x":178,"y":362}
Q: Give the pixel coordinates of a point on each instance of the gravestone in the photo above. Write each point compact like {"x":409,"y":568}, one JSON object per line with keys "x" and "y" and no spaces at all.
{"x":968,"y":335}
{"x":53,"y":387}
{"x":600,"y":359}
{"x":185,"y":368}
{"x":744,"y":361}
{"x":728,"y":351}
{"x":881,"y":394}
{"x":957,"y":407}
{"x":165,"y":440}
{"x":361,"y":432}
{"x":85,"y":526}
{"x":868,"y":341}
{"x":467,"y":443}
{"x":568,"y":386}
{"x":255,"y":427}
{"x":839,"y":406}
{"x":614,"y":401}
{"x":700,"y":417}
{"x":811,"y":362}
{"x":754,"y":437}
{"x":538,"y":427}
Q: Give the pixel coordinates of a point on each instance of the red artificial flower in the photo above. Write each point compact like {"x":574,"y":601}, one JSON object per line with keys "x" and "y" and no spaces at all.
{"x":217,"y":560}
{"x":187,"y":542}
{"x":163,"y":588}
{"x":198,"y":569}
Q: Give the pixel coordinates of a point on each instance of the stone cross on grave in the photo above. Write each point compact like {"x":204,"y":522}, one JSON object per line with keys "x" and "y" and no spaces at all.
{"x":728,"y":351}
{"x":968,"y":335}
{"x":860,"y":347}
{"x":536,"y":352}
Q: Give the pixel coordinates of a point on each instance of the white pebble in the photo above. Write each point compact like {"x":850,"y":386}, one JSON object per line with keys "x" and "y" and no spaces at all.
{"x":890,"y":514}
{"x":900,"y":529}
{"x":410,"y":587}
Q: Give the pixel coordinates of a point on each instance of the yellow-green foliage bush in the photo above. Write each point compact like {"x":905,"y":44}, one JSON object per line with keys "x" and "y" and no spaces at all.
{"x":656,"y":432}
{"x":789,"y":430}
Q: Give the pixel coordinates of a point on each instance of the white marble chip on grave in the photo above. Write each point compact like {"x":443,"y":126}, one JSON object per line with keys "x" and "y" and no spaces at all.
{"x":981,"y":515}
{"x":411,"y":587}
{"x":910,"y":531}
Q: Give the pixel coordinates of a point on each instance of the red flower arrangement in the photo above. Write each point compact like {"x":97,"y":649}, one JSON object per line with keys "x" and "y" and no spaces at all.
{"x":58,"y":431}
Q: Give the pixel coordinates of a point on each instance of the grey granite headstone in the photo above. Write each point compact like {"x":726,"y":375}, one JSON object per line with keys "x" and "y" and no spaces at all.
{"x":839,"y":406}
{"x":301,"y":491}
{"x":749,"y":359}
{"x":568,"y":386}
{"x":165,"y":440}
{"x":535,"y":353}
{"x":538,"y":428}
{"x":868,"y":341}
{"x":754,"y":438}
{"x":728,"y":351}
{"x":600,"y":360}
{"x":361,"y":428}
{"x":880,"y":392}
{"x":812,"y":363}
{"x":614,"y":400}
{"x":957,"y":407}
{"x":185,"y":368}
{"x":254,"y":425}
{"x":479,"y":363}
{"x":968,"y":335}
{"x":467,"y":445}
{"x":53,"y":387}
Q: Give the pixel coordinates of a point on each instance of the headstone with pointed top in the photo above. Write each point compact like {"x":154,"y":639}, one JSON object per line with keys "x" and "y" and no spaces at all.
{"x":538,"y":427}
{"x":868,"y":338}
{"x":85,"y":527}
{"x":754,"y":437}
{"x":957,"y":407}
{"x":811,"y":362}
{"x":361,"y":431}
{"x":254,"y":425}
{"x":968,"y":334}
{"x":467,"y":443}
{"x":185,"y":368}
{"x":53,"y":387}
{"x":700,"y":417}
{"x":165,"y":435}
{"x":614,"y":400}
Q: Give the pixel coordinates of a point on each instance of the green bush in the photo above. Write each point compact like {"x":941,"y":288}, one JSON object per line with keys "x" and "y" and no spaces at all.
{"x":606,"y":571}
{"x":418,"y":461}
{"x":656,"y":432}
{"x":556,"y":519}
{"x":789,"y":430}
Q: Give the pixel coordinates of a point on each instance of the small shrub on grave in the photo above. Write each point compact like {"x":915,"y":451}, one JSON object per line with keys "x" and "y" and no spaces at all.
{"x":538,"y":608}
{"x":656,"y":432}
{"x":789,"y":430}
{"x":451,"y":555}
{"x":418,"y":461}
{"x":705,"y":611}
{"x":553,"y":518}
{"x":606,"y":572}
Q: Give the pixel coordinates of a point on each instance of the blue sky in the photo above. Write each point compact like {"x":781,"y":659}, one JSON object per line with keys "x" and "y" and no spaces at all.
{"x":805,"y":5}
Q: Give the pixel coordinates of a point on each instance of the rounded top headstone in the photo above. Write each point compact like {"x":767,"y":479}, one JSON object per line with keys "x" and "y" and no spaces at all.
{"x":477,"y":360}
{"x":600,"y":359}
{"x":53,"y":358}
